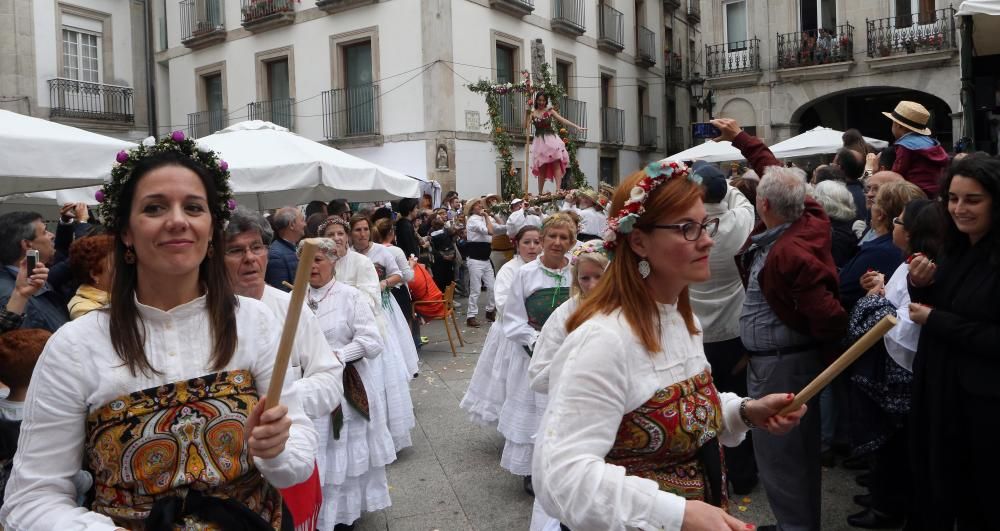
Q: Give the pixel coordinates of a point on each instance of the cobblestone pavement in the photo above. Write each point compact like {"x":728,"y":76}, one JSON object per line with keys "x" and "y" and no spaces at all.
{"x":451,"y":478}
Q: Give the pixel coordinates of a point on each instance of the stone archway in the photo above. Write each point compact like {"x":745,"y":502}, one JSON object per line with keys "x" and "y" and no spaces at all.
{"x":742,"y":111}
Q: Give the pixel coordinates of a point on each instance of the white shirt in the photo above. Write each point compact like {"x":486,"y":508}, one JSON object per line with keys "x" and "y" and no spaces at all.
{"x":346,"y":322}
{"x":551,"y":337}
{"x":504,"y":279}
{"x":357,"y":271}
{"x":901,"y":341}
{"x":529,"y":279}
{"x":593,"y":221}
{"x":476,"y":230}
{"x":519,"y":219}
{"x":11,"y":410}
{"x":401,"y":262}
{"x":79,"y":372}
{"x":601,"y":373}
{"x":718,"y":301}
{"x":318,"y":373}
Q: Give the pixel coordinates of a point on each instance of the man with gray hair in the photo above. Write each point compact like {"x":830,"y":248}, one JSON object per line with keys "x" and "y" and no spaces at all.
{"x":289,"y":227}
{"x":791,"y":314}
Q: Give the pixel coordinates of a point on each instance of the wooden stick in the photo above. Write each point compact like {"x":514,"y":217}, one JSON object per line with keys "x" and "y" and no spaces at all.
{"x":845,"y":360}
{"x":527,"y":149}
{"x":287,"y":284}
{"x":291,"y":323}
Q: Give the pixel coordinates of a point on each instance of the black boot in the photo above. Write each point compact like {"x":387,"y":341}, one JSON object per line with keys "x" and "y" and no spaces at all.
{"x":872,"y":519}
{"x":527,"y":486}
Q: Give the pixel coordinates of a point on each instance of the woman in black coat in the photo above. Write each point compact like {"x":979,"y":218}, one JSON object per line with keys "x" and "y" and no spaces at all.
{"x":956,"y":370}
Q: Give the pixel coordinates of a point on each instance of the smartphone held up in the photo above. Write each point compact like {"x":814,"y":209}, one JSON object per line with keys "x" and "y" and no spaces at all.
{"x":31,"y":259}
{"x":704,"y":130}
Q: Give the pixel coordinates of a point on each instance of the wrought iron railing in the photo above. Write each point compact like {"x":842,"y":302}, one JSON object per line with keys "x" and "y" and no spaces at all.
{"x":279,"y":112}
{"x":647,"y":131}
{"x":612,"y":26}
{"x":732,"y":58}
{"x":252,"y":10}
{"x":199,"y":17}
{"x":919,"y":32}
{"x":576,"y":112}
{"x":694,"y":10}
{"x":612,"y":125}
{"x":673,"y":66}
{"x":647,"y":45}
{"x":816,"y":47}
{"x":569,"y":13}
{"x":351,"y":111}
{"x":512,"y":113}
{"x":675,"y":139}
{"x":93,"y":101}
{"x":204,"y":123}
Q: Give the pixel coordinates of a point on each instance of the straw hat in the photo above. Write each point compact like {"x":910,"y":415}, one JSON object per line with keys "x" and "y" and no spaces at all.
{"x":471,"y":203}
{"x":591,"y":194}
{"x":912,"y":116}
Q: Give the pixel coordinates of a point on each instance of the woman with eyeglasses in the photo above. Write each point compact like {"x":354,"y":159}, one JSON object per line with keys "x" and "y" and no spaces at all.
{"x":630,"y":438}
{"x":879,"y":254}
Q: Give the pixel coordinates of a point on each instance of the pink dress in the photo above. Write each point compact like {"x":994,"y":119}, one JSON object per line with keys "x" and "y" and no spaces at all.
{"x":549,"y":157}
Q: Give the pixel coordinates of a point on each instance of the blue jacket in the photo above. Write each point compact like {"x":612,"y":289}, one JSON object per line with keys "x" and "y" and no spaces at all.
{"x":44,"y":310}
{"x":281,"y":264}
{"x":880,"y":255}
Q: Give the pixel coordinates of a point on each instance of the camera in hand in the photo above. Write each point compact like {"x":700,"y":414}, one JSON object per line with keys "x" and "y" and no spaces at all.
{"x":704,"y":130}
{"x":32,"y":260}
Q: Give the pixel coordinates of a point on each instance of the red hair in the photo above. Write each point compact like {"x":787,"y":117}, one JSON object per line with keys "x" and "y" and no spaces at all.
{"x":87,"y":256}
{"x":621,"y":286}
{"x":19,"y":351}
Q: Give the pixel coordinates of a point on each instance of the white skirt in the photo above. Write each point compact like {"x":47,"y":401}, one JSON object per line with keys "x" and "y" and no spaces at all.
{"x":344,"y":503}
{"x":400,"y":332}
{"x":519,"y":417}
{"x":396,"y":385}
{"x":488,"y":387}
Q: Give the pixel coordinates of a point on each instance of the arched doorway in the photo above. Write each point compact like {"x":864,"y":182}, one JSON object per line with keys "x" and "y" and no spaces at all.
{"x":862,"y":109}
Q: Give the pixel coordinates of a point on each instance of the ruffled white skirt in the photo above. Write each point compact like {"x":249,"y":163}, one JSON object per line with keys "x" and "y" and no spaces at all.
{"x":396,"y":376}
{"x":400,"y":331}
{"x":488,"y":387}
{"x":520,"y":416}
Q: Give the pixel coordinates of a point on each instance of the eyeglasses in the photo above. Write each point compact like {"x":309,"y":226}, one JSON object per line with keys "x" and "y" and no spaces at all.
{"x":692,"y":229}
{"x":256,"y":249}
{"x":897,"y":221}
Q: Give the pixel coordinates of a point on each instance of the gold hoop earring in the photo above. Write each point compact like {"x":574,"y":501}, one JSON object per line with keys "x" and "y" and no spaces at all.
{"x":130,"y":255}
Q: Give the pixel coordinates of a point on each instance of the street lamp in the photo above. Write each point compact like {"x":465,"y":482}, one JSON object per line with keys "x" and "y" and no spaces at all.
{"x":696,"y":85}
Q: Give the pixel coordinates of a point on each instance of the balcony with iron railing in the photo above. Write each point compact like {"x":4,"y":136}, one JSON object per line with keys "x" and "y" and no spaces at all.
{"x":576,"y":112}
{"x":260,"y":15}
{"x":518,"y":8}
{"x":568,"y":17}
{"x":675,"y":139}
{"x":694,"y":11}
{"x":732,"y":58}
{"x":912,"y":40}
{"x":673,"y":66}
{"x":647,"y":132}
{"x":611,"y":34}
{"x":512,"y":113}
{"x":204,"y":123}
{"x":351,"y":112}
{"x":279,"y":112}
{"x":612,"y":126}
{"x":816,"y":47}
{"x":670,"y":5}
{"x":646,"y":41}
{"x":81,"y":100}
{"x":335,"y":6}
{"x":203,"y":23}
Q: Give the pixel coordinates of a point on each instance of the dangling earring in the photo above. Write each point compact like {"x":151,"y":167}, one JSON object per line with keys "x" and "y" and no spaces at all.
{"x":211,"y":249}
{"x":644,"y":269}
{"x":129,"y":255}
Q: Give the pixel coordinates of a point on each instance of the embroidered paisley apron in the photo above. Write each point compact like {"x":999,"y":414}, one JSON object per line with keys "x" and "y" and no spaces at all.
{"x":175,"y":457}
{"x":356,"y":396}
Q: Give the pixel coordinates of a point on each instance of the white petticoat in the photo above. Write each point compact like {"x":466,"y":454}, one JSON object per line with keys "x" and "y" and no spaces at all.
{"x":488,"y":387}
{"x":396,"y":376}
{"x":519,"y":417}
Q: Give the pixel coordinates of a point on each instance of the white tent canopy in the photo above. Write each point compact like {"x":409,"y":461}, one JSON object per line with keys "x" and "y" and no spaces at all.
{"x":710,"y":151}
{"x":816,"y":141}
{"x":38,"y":155}
{"x":979,"y":7}
{"x":272,"y":167}
{"x":47,"y":203}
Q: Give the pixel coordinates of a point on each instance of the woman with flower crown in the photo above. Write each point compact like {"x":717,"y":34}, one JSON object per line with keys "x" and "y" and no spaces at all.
{"x":549,"y":157}
{"x":630,"y":437}
{"x":537,"y":290}
{"x":154,"y":394}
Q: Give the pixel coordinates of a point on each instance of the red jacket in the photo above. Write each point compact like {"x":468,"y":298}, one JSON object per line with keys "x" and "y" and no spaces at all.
{"x":799,"y":279}
{"x":922,"y":161}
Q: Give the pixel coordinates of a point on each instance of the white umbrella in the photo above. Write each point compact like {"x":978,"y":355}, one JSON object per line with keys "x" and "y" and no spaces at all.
{"x":272,"y":167}
{"x":37,"y":155}
{"x":979,"y":7}
{"x":48,"y":203}
{"x":816,"y":141}
{"x":709,"y":151}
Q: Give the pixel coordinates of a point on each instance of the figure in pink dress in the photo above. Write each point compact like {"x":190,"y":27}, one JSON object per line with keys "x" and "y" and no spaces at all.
{"x":549,"y":155}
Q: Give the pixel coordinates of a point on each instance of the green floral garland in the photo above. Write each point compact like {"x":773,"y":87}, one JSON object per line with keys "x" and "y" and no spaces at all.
{"x":503,"y":140}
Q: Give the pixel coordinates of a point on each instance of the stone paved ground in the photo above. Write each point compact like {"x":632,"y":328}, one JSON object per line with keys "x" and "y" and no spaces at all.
{"x":451,"y":478}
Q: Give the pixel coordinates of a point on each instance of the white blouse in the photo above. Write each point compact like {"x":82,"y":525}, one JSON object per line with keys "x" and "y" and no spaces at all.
{"x":601,"y":373}
{"x":401,"y":262}
{"x":380,"y":255}
{"x":476,"y":229}
{"x":551,"y":337}
{"x":593,"y":221}
{"x":318,"y":373}
{"x":530,"y":278}
{"x":346,"y":321}
{"x":357,"y":271}
{"x":504,"y":279}
{"x":79,"y":372}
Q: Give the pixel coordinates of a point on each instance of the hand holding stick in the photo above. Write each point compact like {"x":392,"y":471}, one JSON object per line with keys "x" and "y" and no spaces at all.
{"x":291,"y":323}
{"x":845,"y":360}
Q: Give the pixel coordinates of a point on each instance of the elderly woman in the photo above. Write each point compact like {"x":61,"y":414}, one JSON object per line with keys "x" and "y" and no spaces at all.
{"x":90,"y":262}
{"x":317,"y":372}
{"x":839,"y":207}
{"x":611,"y":453}
{"x":355,"y":480}
{"x":161,"y":394}
{"x":358,"y":271}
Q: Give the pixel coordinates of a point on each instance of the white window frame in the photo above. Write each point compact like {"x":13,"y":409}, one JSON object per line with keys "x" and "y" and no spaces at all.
{"x":100,"y":53}
{"x":725,"y":20}
{"x":819,"y":13}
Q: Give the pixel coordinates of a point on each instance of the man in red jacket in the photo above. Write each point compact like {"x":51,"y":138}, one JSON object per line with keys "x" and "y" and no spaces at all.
{"x":792,"y":309}
{"x":919,"y":158}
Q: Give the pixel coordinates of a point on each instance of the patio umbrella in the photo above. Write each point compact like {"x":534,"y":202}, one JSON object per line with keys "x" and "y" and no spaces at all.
{"x":816,"y":141}
{"x":47,"y":203}
{"x":38,"y":155}
{"x":709,"y":151}
{"x":272,"y":167}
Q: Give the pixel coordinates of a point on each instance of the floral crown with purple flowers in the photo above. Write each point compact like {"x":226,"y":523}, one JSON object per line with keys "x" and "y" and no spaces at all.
{"x":126,"y":161}
{"x":656,"y":174}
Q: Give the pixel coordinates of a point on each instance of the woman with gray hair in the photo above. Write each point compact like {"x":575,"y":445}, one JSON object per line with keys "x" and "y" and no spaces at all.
{"x":838,"y":203}
{"x":353,"y":475}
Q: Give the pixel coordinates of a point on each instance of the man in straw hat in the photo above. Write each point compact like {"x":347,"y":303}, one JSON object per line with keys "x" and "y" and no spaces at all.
{"x":593,"y":220}
{"x":479,"y":237}
{"x":920,"y":159}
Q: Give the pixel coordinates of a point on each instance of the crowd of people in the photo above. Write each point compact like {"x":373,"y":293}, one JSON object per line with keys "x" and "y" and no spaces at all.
{"x":643,"y":346}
